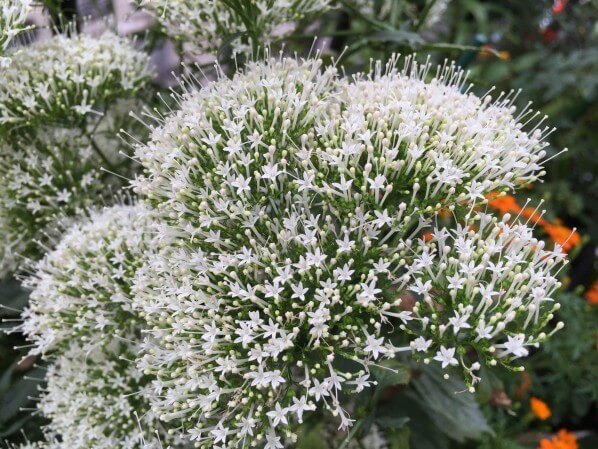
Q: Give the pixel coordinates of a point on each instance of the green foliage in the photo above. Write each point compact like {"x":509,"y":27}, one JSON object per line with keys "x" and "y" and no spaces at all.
{"x":564,"y":372}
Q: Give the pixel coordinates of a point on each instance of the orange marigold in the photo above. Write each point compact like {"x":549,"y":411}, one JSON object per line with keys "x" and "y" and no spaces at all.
{"x":540,"y":408}
{"x":592,"y":294}
{"x":562,"y":440}
{"x":564,"y":236}
{"x":503,"y":204}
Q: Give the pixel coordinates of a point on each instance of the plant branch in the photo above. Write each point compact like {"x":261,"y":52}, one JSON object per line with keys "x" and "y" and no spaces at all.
{"x":344,"y":443}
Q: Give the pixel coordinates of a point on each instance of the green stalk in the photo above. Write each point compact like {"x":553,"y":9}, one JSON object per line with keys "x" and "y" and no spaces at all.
{"x":345,"y":442}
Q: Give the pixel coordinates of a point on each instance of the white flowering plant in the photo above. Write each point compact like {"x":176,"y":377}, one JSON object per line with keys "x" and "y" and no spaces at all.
{"x":13,"y":17}
{"x":297,"y":254}
{"x":67,"y":79}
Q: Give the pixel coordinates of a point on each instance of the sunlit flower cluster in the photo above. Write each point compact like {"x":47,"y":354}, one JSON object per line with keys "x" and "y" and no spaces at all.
{"x":209,"y":24}
{"x":81,"y":289}
{"x":13,"y":15}
{"x":485,"y":285}
{"x":294,"y":197}
{"x":67,"y":78}
{"x":97,"y":399}
{"x":47,"y":177}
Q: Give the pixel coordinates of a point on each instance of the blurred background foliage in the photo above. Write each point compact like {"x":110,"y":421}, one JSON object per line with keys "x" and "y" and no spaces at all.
{"x":549,"y":50}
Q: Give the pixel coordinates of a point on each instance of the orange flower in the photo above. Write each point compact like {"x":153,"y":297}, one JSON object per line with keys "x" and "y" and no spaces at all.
{"x":428,"y":236}
{"x":559,"y":6}
{"x":562,"y":440}
{"x":503,"y":204}
{"x":564,"y":236}
{"x":539,"y":408}
{"x":524,"y":386}
{"x":533,"y":215}
{"x":592,"y":294}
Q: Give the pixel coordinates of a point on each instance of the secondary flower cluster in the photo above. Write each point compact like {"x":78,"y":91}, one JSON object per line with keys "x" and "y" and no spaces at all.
{"x":293,"y":198}
{"x":46,"y":177}
{"x":61,"y":105}
{"x":81,"y":289}
{"x":209,"y":24}
{"x":12,"y":22}
{"x":97,"y":399}
{"x":66,"y":78}
{"x":485,"y":285}
{"x":80,"y":318}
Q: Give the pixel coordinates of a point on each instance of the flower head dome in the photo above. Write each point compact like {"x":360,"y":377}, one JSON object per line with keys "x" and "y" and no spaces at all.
{"x":80,"y":290}
{"x":67,"y":78}
{"x":292,"y":197}
{"x":208,"y":24}
{"x":97,"y":399}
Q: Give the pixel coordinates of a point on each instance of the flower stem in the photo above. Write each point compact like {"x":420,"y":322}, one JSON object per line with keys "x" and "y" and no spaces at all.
{"x":343,"y":444}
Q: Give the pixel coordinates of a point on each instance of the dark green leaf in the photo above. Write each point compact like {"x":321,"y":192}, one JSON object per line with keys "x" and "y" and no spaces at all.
{"x":390,"y":373}
{"x":452,"y":407}
{"x":19,"y":394}
{"x":398,"y":438}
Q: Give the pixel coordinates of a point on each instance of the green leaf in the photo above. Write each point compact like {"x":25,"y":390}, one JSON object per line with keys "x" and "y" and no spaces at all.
{"x":390,"y":373}
{"x":451,"y":406}
{"x":13,"y":297}
{"x":398,"y":37}
{"x":398,"y":438}
{"x":19,"y":394}
{"x":311,"y":437}
{"x":5,"y":379}
{"x":392,"y":422}
{"x":15,"y":426}
{"x":423,"y":432}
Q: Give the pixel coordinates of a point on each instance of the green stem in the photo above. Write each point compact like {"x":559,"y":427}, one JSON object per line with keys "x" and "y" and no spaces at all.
{"x":343,"y":444}
{"x":447,"y":46}
{"x":370,"y":20}
{"x":100,"y":153}
{"x":424,"y":15}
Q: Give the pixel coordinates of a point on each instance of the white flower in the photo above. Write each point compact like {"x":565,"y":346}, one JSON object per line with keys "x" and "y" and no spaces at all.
{"x":13,"y":15}
{"x":421,"y":344}
{"x":514,"y":345}
{"x":446,"y":356}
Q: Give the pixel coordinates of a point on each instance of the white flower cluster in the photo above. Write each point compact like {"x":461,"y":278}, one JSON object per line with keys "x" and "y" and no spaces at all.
{"x":97,"y":399}
{"x":81,"y":289}
{"x":47,"y":176}
{"x":80,"y":317}
{"x":483,"y":286}
{"x":13,"y":15}
{"x":208,"y":24}
{"x":293,"y":197}
{"x":66,"y":78}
